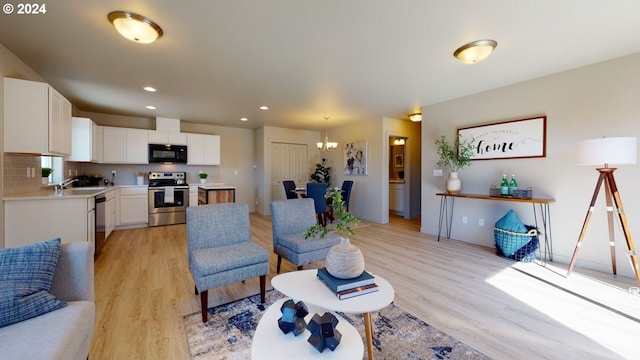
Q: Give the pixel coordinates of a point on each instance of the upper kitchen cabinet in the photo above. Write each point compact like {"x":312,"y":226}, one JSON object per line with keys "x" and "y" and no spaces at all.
{"x":37,"y":119}
{"x":167,"y":138}
{"x":84,"y":140}
{"x":203,"y":149}
{"x":124,"y":145}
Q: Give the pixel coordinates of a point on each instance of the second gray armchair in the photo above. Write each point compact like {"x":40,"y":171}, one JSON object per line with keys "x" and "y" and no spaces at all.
{"x":290,"y":218}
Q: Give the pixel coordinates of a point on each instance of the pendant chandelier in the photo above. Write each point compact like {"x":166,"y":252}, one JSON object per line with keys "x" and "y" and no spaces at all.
{"x":326,"y":145}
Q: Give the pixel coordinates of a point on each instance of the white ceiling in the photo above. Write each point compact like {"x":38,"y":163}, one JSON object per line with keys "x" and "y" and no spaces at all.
{"x":307,"y":59}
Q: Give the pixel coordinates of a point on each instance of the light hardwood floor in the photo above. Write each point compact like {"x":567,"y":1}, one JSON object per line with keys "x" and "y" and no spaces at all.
{"x":505,"y":309}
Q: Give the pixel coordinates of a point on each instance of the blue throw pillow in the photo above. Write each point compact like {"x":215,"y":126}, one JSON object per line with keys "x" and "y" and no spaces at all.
{"x":26,"y":274}
{"x":510,"y":243}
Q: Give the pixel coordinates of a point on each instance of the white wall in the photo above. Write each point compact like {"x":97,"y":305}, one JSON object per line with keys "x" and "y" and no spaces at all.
{"x":589,"y":102}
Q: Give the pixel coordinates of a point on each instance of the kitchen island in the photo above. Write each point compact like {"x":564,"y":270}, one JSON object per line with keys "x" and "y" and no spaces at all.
{"x":216,"y":194}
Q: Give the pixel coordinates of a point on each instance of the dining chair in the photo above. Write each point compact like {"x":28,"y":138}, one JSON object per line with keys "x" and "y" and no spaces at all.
{"x":316,"y":191}
{"x":347,"y":185}
{"x":220,"y":250}
{"x":289,"y":189}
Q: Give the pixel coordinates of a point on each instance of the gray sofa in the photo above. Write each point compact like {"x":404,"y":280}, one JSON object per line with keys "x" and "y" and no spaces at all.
{"x":66,"y":333}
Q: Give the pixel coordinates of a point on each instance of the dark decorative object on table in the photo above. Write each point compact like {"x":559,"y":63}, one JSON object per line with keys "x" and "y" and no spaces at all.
{"x":292,"y":319}
{"x":323,"y":332}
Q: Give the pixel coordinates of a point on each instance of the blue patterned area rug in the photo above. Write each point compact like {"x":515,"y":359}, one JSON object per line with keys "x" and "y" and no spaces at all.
{"x":398,"y":335}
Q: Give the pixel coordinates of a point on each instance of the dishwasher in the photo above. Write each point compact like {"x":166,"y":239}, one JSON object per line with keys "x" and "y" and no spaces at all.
{"x":100,"y":223}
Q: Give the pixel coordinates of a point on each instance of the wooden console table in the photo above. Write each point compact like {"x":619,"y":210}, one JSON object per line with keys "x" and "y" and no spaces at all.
{"x":446,"y":215}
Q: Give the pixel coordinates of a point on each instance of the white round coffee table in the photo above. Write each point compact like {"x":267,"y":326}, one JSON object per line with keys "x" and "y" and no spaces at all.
{"x":269,"y":342}
{"x":305,"y":286}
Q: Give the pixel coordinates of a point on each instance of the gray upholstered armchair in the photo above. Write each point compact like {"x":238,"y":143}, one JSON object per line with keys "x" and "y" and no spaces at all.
{"x":290,"y":218}
{"x":220,"y":249}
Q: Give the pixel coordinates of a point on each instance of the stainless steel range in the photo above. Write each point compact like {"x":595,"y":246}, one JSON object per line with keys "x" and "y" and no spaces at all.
{"x":168,"y":198}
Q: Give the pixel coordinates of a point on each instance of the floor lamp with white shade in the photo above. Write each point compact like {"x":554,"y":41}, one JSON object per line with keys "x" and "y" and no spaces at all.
{"x":605,"y":152}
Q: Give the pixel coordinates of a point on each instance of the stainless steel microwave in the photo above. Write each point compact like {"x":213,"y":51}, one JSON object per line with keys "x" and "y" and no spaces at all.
{"x":159,"y":153}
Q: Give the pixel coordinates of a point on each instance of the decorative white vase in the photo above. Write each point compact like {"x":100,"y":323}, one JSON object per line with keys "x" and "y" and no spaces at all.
{"x":203,"y":181}
{"x":45,"y":180}
{"x":344,"y":260}
{"x":454,"y":184}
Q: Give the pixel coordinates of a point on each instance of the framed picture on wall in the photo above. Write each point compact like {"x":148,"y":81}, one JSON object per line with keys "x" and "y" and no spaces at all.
{"x":355,"y":158}
{"x":398,"y":160}
{"x":524,"y":138}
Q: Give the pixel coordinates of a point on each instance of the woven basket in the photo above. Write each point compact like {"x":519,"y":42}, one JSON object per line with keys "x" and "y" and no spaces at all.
{"x":527,"y":252}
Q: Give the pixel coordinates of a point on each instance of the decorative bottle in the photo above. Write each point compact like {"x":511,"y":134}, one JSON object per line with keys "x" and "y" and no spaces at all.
{"x":513,"y":185}
{"x":504,"y":186}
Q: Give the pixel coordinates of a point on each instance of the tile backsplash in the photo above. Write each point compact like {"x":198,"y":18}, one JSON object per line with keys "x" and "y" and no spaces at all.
{"x":18,"y":171}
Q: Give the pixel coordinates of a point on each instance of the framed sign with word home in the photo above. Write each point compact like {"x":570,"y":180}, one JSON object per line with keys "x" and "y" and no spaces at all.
{"x":524,"y":138}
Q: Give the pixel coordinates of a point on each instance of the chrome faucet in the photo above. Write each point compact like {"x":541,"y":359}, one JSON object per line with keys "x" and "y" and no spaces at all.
{"x":67,"y":182}
{"x":59,"y":189}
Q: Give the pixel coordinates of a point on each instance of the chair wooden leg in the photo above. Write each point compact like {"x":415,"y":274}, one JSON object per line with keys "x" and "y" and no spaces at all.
{"x":263,"y":280}
{"x":278,"y":264}
{"x":204,"y":303}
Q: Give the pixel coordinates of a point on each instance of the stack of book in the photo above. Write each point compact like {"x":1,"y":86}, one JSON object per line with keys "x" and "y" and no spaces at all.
{"x":348,"y":288}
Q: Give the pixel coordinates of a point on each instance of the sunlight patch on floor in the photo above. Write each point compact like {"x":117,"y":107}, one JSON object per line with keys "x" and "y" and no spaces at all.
{"x":566,"y":309}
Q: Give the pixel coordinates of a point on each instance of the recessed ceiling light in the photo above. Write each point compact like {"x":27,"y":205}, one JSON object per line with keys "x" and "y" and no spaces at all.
{"x":135,"y":27}
{"x":149,"y":89}
{"x":244,"y":119}
{"x":150,"y":107}
{"x":264,"y":107}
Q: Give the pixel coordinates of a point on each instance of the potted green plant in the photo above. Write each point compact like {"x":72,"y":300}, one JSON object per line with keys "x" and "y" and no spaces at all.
{"x":203,"y":177}
{"x":322,"y":173}
{"x":455,"y":156}
{"x":46,"y":171}
{"x":344,"y":260}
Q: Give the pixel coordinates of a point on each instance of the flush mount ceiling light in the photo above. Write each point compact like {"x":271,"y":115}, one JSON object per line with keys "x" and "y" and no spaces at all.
{"x":415,"y":117}
{"x":475,"y":51}
{"x":326,"y":145}
{"x":135,"y":27}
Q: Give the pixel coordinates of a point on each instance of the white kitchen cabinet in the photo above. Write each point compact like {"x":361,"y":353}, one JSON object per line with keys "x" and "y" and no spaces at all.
{"x":162,"y":137}
{"x":83,"y":140}
{"x":203,"y":149}
{"x":30,"y":221}
{"x":124,"y":145}
{"x":37,"y":119}
{"x":134,"y":206}
{"x":193,"y":195}
{"x":396,"y":198}
{"x":98,"y":151}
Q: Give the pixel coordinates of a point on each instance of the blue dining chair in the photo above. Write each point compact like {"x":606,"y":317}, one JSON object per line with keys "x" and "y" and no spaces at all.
{"x":316,"y":192}
{"x":347,"y":185}
{"x":289,"y":189}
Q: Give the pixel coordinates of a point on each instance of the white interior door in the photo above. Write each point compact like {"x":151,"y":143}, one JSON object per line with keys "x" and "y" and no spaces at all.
{"x":288,"y":162}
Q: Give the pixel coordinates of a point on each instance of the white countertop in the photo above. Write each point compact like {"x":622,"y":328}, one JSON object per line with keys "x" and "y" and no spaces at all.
{"x":76,"y":192}
{"x":216,"y":186}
